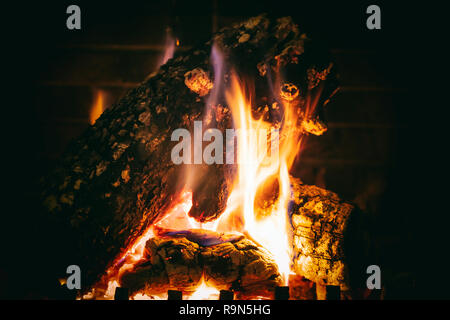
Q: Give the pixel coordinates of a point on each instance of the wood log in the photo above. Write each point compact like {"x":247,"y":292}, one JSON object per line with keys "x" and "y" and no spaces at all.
{"x":118,"y":178}
{"x":178,"y":263}
{"x":323,"y":230}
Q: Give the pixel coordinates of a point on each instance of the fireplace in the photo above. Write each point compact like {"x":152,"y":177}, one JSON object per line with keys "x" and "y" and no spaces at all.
{"x":252,"y":164}
{"x":184,"y":184}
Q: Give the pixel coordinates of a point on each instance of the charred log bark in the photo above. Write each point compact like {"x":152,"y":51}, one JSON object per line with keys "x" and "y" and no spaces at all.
{"x":118,"y":177}
{"x":178,"y":263}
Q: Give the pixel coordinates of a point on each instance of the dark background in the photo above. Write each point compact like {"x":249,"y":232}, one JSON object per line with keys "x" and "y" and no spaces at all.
{"x":382,"y":150}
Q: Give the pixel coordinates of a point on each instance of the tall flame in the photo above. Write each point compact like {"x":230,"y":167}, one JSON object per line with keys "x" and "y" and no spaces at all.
{"x":256,"y":169}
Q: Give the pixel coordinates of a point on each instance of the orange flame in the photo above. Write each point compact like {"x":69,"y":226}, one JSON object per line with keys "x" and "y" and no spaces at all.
{"x":98,"y":107}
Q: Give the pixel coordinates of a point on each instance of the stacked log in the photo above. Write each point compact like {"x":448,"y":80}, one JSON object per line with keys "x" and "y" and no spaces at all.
{"x":323,"y":233}
{"x":179,"y":263}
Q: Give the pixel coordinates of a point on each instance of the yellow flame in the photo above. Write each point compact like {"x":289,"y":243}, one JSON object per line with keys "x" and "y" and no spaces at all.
{"x":205,"y":292}
{"x":255,"y":168}
{"x":268,"y":226}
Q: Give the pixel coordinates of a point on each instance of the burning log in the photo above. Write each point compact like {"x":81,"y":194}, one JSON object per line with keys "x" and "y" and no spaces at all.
{"x":325,"y":229}
{"x":242,"y":266}
{"x":117,"y":179}
{"x":226,"y":261}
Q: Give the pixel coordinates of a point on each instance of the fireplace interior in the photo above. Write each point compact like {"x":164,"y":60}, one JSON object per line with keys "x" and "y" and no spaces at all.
{"x":351,"y":193}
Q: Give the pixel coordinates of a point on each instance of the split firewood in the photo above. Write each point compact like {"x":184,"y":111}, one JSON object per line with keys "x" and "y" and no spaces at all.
{"x":118,"y":178}
{"x":178,"y":260}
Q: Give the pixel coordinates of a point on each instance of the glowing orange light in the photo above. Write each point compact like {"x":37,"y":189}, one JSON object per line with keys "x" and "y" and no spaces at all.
{"x":98,"y":107}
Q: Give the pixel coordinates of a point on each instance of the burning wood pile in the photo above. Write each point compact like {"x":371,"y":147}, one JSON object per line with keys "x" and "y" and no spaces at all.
{"x":152,"y":210}
{"x":226,"y":261}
